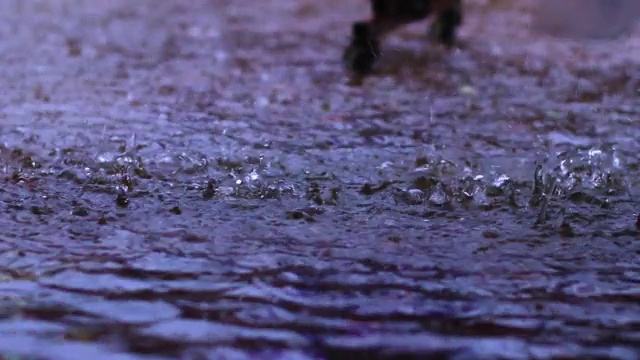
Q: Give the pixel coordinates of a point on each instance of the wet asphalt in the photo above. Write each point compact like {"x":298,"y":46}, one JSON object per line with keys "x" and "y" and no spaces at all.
{"x":204,"y":180}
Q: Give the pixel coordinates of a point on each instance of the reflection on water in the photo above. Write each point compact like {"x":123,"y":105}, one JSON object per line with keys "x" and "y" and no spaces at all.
{"x":196,"y":180}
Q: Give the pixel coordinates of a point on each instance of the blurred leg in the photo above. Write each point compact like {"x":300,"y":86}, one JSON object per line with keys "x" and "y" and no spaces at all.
{"x":449,"y":18}
{"x":388,"y":15}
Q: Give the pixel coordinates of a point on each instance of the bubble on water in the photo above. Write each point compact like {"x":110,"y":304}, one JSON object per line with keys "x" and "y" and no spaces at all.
{"x":126,"y":159}
{"x":480,"y":197}
{"x":385,"y":165}
{"x":192,"y":163}
{"x":416,"y":194}
{"x":501,"y":181}
{"x":253,"y":176}
{"x":164,"y":158}
{"x":438,"y":196}
{"x":108,"y":157}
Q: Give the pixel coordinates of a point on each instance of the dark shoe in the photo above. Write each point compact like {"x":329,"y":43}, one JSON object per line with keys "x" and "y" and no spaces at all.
{"x":363,"y":51}
{"x":444,"y":27}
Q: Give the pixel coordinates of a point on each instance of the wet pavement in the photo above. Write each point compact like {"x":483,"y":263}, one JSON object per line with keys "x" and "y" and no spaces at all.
{"x":202,"y":180}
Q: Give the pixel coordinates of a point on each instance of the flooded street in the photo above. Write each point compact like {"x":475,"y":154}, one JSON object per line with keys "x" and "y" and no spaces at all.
{"x":203,"y":180}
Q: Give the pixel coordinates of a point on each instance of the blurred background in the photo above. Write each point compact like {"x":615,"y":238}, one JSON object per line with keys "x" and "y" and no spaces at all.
{"x":587,"y":18}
